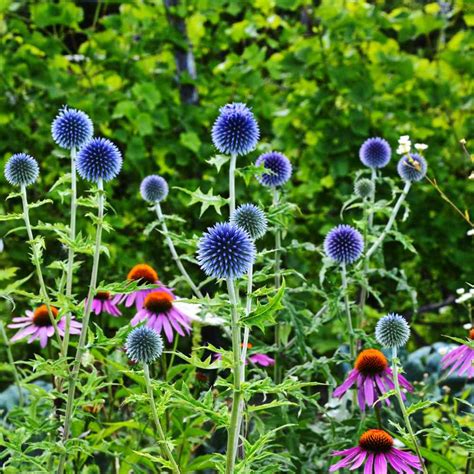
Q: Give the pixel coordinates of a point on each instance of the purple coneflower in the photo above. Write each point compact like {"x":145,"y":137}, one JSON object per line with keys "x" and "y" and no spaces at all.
{"x":163,"y":312}
{"x":144,"y":274}
{"x":104,"y":302}
{"x":460,"y":359}
{"x":376,"y":450}
{"x":37,"y":325}
{"x":373,"y":377}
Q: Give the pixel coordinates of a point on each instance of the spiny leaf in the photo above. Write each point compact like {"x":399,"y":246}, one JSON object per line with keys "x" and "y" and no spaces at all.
{"x":206,"y":200}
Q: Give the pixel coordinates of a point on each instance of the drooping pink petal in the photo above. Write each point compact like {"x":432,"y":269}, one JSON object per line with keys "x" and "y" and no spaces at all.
{"x":347,"y":384}
{"x":369,"y":390}
{"x":262,"y":359}
{"x":24,"y":332}
{"x":380,"y":464}
{"x":177,"y":327}
{"x":43,"y":337}
{"x":346,"y":460}
{"x":140,"y":316}
{"x":360,"y":392}
{"x":450,"y":356}
{"x":49,"y":331}
{"x":168,"y":329}
{"x":396,"y":463}
{"x":359,"y":460}
{"x":19,"y":325}
{"x":369,"y":464}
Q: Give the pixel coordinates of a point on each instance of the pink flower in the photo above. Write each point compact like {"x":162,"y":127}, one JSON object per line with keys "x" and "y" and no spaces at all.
{"x":37,"y":325}
{"x":460,"y":359}
{"x":163,"y":312}
{"x":377,"y":452}
{"x":261,"y":359}
{"x":373,"y":377}
{"x":104,"y":302}
{"x":141,"y":273}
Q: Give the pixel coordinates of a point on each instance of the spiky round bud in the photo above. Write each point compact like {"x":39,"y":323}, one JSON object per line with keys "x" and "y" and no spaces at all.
{"x":392,"y":331}
{"x":21,"y":170}
{"x":344,"y":244}
{"x":364,"y":187}
{"x":279,"y":168}
{"x":412,"y":167}
{"x":72,"y":128}
{"x":250,"y":218}
{"x":99,"y":159}
{"x":225,"y":251}
{"x":154,"y":188}
{"x":235,"y":131}
{"x":144,"y":345}
{"x":375,"y":152}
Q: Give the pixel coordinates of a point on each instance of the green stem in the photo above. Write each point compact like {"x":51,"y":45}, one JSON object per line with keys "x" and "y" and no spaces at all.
{"x":16,"y":378}
{"x":85,"y":322}
{"x":164,"y":444}
{"x":174,"y":254}
{"x":373,"y":178}
{"x":37,"y":263}
{"x":232,"y":437}
{"x":390,"y":222}
{"x":70,"y":256}
{"x":277,"y":366}
{"x":233,"y":161}
{"x":403,"y":408}
{"x":348,"y":311}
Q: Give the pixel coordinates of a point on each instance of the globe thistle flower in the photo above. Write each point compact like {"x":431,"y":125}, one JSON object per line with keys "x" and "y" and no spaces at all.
{"x":460,"y":360}
{"x":250,"y":218}
{"x":392,"y":331}
{"x":373,"y":377}
{"x":412,"y":167}
{"x":99,"y":159}
{"x":104,"y":302}
{"x":154,"y":188}
{"x":364,"y":187}
{"x":36,"y":325}
{"x":375,"y":153}
{"x":225,"y":251}
{"x":72,"y":128}
{"x":163,"y":313}
{"x":144,"y":345}
{"x":376,"y":452}
{"x":279,"y":168}
{"x":143,"y":274}
{"x":21,"y":170}
{"x":344,"y":244}
{"x":235,"y":131}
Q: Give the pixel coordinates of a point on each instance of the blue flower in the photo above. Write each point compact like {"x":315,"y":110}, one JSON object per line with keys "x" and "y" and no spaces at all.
{"x":250,"y":218}
{"x":279,"y":168}
{"x":154,"y":188}
{"x":392,"y":331}
{"x":375,"y":152}
{"x":99,"y":159}
{"x":225,"y":251}
{"x":412,"y":168}
{"x":344,"y":244}
{"x":235,"y":131}
{"x":144,"y":345}
{"x":21,"y":170}
{"x":72,"y":128}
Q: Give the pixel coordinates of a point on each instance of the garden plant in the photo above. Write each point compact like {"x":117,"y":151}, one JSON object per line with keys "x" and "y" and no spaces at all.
{"x":242,"y":244}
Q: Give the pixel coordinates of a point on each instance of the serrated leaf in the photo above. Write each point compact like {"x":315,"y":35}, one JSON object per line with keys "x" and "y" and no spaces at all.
{"x":206,"y":200}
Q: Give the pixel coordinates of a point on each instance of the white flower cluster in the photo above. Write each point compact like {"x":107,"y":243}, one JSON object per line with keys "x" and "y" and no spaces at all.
{"x":464,"y":295}
{"x":404,"y":145}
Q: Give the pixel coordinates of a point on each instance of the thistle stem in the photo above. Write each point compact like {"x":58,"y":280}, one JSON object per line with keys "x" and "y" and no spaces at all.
{"x":85,"y":322}
{"x":36,"y":260}
{"x":11,"y":361}
{"x":403,"y":408}
{"x":174,"y":254}
{"x":70,"y":256}
{"x":390,"y":222}
{"x":165,"y":448}
{"x":277,"y":367}
{"x":348,"y":311}
{"x":233,"y":162}
{"x":233,"y":431}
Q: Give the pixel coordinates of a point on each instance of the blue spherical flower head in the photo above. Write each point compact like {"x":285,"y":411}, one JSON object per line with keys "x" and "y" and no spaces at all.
{"x":72,"y":128}
{"x":154,"y":188}
{"x":235,"y":131}
{"x":99,"y":159}
{"x":392,"y":331}
{"x":412,"y":167}
{"x":21,"y":170}
{"x":344,"y":244}
{"x":225,"y":251}
{"x":144,"y":345}
{"x":375,"y":153}
{"x":279,"y":168}
{"x":250,"y":218}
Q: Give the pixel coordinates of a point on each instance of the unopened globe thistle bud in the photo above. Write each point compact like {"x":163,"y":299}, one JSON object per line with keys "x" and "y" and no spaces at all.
{"x":392,"y":331}
{"x":250,"y":218}
{"x":364,"y":187}
{"x":144,"y":345}
{"x":21,"y":170}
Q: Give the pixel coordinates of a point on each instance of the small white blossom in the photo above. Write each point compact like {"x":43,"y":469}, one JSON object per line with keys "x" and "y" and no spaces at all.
{"x":404,"y":139}
{"x":460,"y":291}
{"x":404,"y":148}
{"x":464,"y":297}
{"x":421,"y":146}
{"x":467,"y":326}
{"x":470,"y":232}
